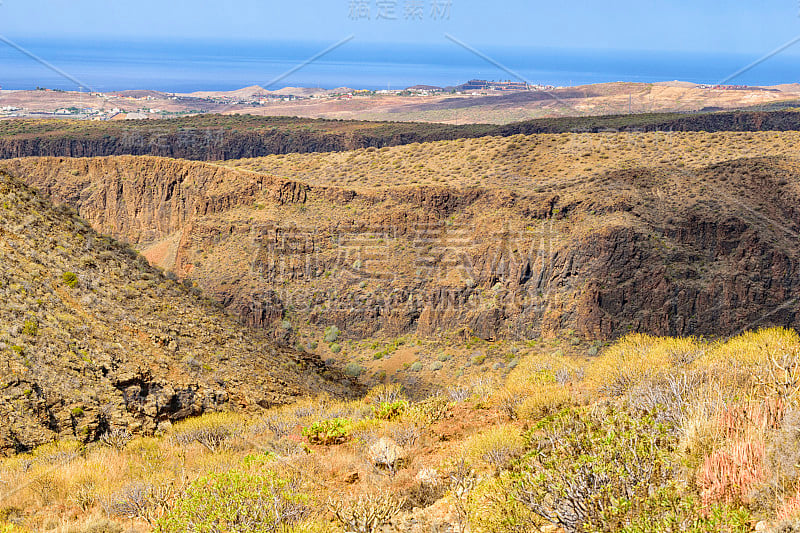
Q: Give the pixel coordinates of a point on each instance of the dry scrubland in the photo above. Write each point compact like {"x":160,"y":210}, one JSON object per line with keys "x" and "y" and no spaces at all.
{"x":641,"y":435}
{"x":541,"y":163}
{"x":651,"y":435}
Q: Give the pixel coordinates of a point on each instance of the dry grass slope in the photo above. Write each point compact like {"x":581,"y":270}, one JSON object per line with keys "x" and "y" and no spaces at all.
{"x":521,"y":163}
{"x":653,"y":434}
{"x":95,"y":339}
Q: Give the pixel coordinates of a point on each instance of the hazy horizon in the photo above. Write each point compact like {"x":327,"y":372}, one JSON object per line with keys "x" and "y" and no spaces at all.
{"x":191,"y":65}
{"x":380,"y":43}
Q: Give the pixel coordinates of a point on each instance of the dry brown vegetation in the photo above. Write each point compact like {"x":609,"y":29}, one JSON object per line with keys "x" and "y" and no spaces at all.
{"x":543,"y":162}
{"x":95,"y":339}
{"x":704,"y":435}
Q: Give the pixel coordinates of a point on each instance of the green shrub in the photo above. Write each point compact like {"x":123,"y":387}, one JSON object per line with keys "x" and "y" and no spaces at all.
{"x":30,"y":327}
{"x":668,"y":510}
{"x":496,"y":446}
{"x":70,"y":279}
{"x":390,"y":410}
{"x":492,"y":508}
{"x":327,"y":432}
{"x":416,"y":367}
{"x":389,"y":349}
{"x":433,"y":409}
{"x":353,"y":369}
{"x":436,"y":366}
{"x":596,"y":471}
{"x":478,"y":359}
{"x":336,"y":348}
{"x":331,"y":334}
{"x":236,"y":501}
{"x":445,"y":357}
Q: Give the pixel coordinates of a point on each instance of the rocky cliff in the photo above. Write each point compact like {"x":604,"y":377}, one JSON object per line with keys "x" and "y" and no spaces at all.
{"x":664,"y":250}
{"x":214,"y":137}
{"x":145,"y":199}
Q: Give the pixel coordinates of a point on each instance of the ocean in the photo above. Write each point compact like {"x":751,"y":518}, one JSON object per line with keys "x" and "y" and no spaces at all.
{"x":217,"y":66}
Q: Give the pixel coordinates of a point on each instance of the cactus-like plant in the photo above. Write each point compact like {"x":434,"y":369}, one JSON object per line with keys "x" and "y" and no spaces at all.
{"x":366,"y":513}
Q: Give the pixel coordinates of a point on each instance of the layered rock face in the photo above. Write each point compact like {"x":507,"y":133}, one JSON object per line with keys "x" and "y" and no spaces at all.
{"x":665,"y":250}
{"x":144,"y":199}
{"x":215,"y":137}
{"x":211,"y":145}
{"x":93,"y":338}
{"x":221,"y":137}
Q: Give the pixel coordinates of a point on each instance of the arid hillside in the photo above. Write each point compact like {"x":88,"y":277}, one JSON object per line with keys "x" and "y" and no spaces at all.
{"x":95,"y":339}
{"x":702,"y":433}
{"x":521,"y":163}
{"x":498,"y":237}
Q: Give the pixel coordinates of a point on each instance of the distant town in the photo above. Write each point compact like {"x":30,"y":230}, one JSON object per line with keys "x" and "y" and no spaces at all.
{"x":262,"y":97}
{"x":146,"y":104}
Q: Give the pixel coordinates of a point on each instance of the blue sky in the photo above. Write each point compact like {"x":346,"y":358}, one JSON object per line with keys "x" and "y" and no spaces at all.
{"x":182,"y":45}
{"x":712,"y":26}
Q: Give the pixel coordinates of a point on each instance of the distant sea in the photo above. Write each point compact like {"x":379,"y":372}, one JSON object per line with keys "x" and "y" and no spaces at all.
{"x":221,"y":66}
